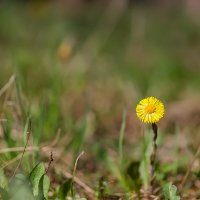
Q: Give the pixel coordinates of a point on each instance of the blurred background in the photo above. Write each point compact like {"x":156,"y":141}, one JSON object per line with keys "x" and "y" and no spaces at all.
{"x":78,"y":64}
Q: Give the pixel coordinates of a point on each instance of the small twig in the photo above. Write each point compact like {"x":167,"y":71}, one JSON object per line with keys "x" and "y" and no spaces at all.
{"x":28,"y":136}
{"x":49,"y":164}
{"x":190,"y":168}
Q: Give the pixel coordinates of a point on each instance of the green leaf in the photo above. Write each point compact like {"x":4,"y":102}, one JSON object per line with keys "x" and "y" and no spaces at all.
{"x":3,"y":179}
{"x":197,"y":174}
{"x":169,"y":192}
{"x":121,"y":138}
{"x":25,"y":132}
{"x":145,"y":163}
{"x":103,"y":187}
{"x":35,"y":176}
{"x":64,"y":189}
{"x":3,"y":194}
{"x":20,"y":188}
{"x":133,"y":172}
{"x":44,"y":184}
{"x":7,"y":127}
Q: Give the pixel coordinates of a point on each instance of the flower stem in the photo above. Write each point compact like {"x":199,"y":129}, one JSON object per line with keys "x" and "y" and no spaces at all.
{"x":153,"y":155}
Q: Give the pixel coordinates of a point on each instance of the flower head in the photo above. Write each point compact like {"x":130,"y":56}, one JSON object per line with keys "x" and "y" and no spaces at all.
{"x":150,"y":110}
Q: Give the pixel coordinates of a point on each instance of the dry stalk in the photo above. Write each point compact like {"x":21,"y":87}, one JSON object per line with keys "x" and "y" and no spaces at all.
{"x":7,"y":85}
{"x":22,"y":155}
{"x":49,"y":164}
{"x":18,"y":149}
{"x":18,"y":157}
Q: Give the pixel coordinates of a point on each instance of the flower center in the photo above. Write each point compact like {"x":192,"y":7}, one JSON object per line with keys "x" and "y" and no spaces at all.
{"x":150,"y":109}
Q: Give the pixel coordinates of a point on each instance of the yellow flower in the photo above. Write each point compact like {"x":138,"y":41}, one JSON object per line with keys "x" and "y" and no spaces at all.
{"x":150,"y":110}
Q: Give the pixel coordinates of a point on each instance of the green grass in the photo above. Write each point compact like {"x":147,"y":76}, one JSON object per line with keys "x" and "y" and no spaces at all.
{"x":84,"y":99}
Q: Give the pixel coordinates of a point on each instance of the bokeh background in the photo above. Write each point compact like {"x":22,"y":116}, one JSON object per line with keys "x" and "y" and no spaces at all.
{"x":78,"y":65}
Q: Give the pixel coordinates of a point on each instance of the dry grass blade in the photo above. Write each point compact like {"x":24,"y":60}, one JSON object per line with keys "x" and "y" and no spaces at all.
{"x":18,"y":157}
{"x":49,"y":164}
{"x":7,"y":85}
{"x":76,"y":162}
{"x":22,"y":155}
{"x":18,"y":149}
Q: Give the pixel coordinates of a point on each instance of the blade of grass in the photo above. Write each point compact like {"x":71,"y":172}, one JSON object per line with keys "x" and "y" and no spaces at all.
{"x":27,"y":124}
{"x":74,"y":171}
{"x":20,"y":99}
{"x":7,"y":85}
{"x":121,"y":138}
{"x":19,"y":163}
